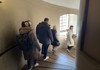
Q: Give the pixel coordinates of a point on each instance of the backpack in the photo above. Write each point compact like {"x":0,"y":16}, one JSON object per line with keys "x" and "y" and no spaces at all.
{"x":24,"y":42}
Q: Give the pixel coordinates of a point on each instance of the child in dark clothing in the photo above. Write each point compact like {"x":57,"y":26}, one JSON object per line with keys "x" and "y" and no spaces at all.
{"x":56,"y":41}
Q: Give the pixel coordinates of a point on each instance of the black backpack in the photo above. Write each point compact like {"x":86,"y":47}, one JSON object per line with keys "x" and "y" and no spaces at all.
{"x":24,"y":42}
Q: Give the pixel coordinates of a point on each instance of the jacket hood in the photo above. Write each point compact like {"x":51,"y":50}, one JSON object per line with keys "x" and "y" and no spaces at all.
{"x":43,"y":24}
{"x":24,"y":30}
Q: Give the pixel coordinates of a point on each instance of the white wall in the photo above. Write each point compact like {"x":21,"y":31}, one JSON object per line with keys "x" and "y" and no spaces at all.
{"x":73,"y":21}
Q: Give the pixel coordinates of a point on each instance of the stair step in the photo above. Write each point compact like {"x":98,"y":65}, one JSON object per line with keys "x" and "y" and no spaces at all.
{"x":55,"y":65}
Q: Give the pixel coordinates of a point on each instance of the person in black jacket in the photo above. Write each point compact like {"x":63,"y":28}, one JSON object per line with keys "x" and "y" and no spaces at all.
{"x":55,"y":42}
{"x":44,"y":35}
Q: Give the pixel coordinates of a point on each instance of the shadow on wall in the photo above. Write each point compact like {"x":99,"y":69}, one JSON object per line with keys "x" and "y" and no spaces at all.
{"x":8,"y":37}
{"x":17,"y":57}
{"x":9,"y":34}
{"x":7,"y":29}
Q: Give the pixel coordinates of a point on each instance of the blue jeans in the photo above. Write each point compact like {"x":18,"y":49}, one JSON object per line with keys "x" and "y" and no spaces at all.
{"x":45,"y":50}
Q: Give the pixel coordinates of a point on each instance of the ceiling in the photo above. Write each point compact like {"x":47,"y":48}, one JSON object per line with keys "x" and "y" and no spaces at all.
{"x":65,"y":3}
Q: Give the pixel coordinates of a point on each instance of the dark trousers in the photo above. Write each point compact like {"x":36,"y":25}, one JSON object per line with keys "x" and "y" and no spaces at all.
{"x":30,"y":62}
{"x":44,"y":50}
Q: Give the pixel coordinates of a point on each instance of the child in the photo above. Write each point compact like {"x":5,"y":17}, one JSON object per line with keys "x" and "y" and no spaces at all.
{"x":56,"y":41}
{"x":70,"y":41}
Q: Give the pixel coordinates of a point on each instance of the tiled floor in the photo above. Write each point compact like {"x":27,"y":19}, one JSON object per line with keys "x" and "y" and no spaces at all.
{"x":61,"y":60}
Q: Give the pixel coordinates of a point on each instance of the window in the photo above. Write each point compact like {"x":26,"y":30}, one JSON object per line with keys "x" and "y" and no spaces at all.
{"x":73,"y":21}
{"x":63,"y":22}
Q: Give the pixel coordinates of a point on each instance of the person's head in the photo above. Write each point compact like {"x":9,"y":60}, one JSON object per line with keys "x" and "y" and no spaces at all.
{"x":23,"y":24}
{"x":28,"y":23}
{"x":46,"y":20}
{"x":71,"y":27}
{"x":54,"y":27}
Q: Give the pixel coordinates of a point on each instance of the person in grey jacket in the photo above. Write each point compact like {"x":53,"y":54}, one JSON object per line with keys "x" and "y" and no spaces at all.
{"x":44,"y":35}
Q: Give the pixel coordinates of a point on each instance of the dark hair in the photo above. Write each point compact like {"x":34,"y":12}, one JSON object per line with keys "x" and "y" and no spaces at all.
{"x":28,"y":22}
{"x":23,"y":24}
{"x":46,"y":19}
{"x":71,"y":26}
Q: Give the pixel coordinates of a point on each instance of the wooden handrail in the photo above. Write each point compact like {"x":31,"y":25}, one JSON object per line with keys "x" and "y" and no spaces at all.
{"x":7,"y":50}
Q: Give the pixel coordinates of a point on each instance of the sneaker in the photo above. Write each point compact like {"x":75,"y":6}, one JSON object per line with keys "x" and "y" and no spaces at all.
{"x":31,"y":68}
{"x":37,"y":64}
{"x":46,"y":58}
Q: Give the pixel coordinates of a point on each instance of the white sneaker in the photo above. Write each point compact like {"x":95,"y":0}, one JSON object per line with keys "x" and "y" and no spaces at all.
{"x":46,"y":58}
{"x":37,"y":64}
{"x":31,"y":68}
